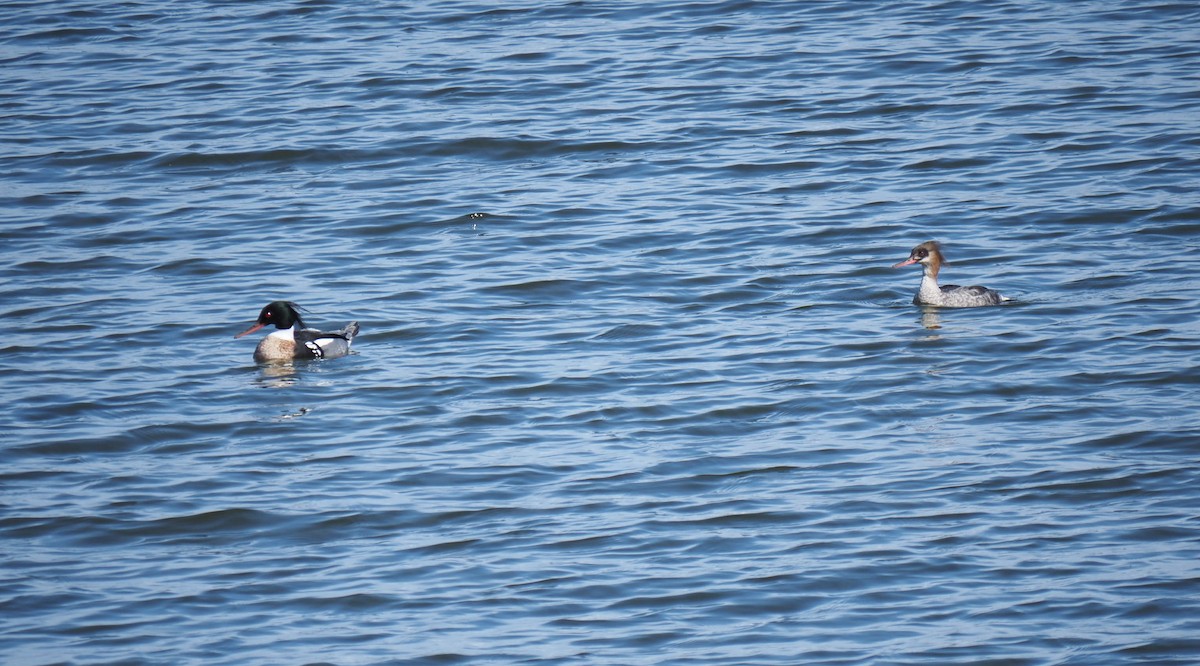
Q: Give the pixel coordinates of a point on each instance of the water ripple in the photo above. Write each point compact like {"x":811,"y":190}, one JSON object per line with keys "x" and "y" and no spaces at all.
{"x":635,"y":384}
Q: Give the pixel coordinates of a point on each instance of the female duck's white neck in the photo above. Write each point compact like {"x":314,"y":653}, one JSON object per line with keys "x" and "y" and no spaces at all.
{"x":929,"y":292}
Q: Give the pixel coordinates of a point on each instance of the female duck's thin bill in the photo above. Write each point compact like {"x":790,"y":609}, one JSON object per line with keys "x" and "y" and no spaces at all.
{"x":292,"y":340}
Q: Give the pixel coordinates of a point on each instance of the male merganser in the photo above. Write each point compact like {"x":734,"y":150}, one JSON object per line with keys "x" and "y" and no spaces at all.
{"x":929,"y":255}
{"x":292,"y":340}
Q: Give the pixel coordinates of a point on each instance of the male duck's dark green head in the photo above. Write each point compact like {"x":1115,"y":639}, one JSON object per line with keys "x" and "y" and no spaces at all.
{"x":281,"y":314}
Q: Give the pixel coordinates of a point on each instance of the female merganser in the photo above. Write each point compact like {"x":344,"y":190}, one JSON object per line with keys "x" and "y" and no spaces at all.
{"x":929,"y":255}
{"x":292,"y":340}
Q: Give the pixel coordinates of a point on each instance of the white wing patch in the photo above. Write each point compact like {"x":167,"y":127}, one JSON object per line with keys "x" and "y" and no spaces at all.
{"x":318,"y":346}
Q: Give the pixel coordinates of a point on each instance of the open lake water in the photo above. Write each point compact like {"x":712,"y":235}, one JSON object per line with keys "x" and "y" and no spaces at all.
{"x":636,"y":383}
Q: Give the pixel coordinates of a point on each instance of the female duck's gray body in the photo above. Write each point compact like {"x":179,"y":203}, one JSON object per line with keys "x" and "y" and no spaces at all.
{"x":929,"y":255}
{"x":292,"y":340}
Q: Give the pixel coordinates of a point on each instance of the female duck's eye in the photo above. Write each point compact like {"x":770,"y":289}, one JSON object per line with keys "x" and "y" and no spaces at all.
{"x":922,"y":253}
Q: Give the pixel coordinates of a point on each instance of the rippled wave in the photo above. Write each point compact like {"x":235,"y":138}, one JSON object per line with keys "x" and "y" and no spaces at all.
{"x":635,"y":382}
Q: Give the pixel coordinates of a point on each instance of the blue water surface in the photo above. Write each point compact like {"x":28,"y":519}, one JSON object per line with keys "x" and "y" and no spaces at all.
{"x":635,"y":383}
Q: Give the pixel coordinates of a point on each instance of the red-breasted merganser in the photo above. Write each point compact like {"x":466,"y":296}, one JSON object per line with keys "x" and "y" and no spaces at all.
{"x":929,"y":255}
{"x":292,"y":340}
